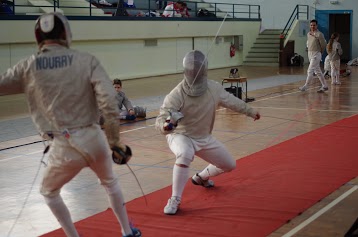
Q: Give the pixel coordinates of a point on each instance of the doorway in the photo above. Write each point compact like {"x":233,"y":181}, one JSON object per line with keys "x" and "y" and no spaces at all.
{"x":340,"y":21}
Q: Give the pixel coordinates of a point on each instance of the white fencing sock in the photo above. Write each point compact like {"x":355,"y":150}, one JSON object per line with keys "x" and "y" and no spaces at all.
{"x":210,"y":171}
{"x":60,"y":211}
{"x":322,"y":80}
{"x":337,"y":78}
{"x":116,"y":200}
{"x":180,"y":177}
{"x":308,"y":80}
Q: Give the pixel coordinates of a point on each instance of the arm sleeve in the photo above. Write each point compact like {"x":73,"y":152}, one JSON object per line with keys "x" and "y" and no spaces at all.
{"x":168,"y":11}
{"x":127,"y":103}
{"x":229,"y":101}
{"x":177,"y":14}
{"x":106,"y":99}
{"x":171,"y":102}
{"x":11,"y":82}
{"x":322,"y":42}
{"x":339,"y":49}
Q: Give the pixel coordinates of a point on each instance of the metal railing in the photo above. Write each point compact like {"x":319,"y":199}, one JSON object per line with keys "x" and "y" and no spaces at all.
{"x":298,"y":12}
{"x":90,"y":8}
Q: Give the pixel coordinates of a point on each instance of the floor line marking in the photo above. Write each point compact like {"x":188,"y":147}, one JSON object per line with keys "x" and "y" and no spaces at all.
{"x":272,"y":97}
{"x":31,"y":153}
{"x":320,"y":110}
{"x":320,"y":212}
{"x":131,"y":130}
{"x":1,"y":160}
{"x":134,"y":129}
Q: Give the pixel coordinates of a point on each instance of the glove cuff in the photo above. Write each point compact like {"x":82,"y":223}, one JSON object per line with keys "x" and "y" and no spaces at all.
{"x":121,"y":157}
{"x":112,"y":132}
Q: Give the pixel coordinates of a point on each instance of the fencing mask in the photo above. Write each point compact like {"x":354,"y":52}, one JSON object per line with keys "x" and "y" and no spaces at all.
{"x":53,"y":26}
{"x":195,"y":73}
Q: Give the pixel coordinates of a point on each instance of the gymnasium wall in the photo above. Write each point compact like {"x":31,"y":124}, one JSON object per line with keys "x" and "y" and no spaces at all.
{"x":132,"y":49}
{"x":276,"y":13}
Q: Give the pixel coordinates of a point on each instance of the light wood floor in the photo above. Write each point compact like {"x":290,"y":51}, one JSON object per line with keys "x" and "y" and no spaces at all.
{"x":24,"y":212}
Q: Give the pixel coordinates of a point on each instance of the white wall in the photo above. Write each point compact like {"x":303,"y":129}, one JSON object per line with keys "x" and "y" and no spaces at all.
{"x":120,"y":44}
{"x":276,"y":13}
{"x":299,"y":38}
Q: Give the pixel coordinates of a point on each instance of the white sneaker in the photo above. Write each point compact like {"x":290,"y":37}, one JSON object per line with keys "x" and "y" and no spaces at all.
{"x":322,"y":89}
{"x":172,"y":206}
{"x":338,"y":83}
{"x":302,"y":88}
{"x":197,"y":180}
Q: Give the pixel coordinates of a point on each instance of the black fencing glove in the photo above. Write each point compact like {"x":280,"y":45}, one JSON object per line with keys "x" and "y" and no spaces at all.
{"x":121,"y":154}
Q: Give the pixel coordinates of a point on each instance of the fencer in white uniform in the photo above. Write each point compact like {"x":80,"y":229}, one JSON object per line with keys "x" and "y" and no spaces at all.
{"x":65,"y":89}
{"x":334,"y":50}
{"x":316,"y":44}
{"x":187,"y":118}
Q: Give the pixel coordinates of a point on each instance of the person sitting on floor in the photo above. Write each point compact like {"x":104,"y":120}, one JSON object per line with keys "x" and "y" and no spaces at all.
{"x":126,"y":109}
{"x":125,"y":106}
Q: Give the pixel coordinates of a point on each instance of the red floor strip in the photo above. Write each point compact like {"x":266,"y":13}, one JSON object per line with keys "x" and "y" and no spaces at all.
{"x":266,"y":190}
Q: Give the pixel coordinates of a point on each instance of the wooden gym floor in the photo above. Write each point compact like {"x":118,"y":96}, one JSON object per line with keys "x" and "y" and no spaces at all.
{"x":24,"y":212}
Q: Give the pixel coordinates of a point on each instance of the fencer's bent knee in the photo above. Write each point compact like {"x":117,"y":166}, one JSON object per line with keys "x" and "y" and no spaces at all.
{"x":183,"y":161}
{"x":182,"y":166}
{"x":111,"y":187}
{"x":49,"y":193}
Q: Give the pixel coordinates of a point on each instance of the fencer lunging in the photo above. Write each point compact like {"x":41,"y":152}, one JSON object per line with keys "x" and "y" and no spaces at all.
{"x":187,"y":118}
{"x":65,"y":89}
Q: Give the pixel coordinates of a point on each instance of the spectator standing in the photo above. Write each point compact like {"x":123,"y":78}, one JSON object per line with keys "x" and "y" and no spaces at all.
{"x":316,"y":44}
{"x":335,"y":51}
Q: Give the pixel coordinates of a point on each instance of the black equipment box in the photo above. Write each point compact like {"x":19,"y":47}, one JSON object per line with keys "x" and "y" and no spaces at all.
{"x":236,"y":91}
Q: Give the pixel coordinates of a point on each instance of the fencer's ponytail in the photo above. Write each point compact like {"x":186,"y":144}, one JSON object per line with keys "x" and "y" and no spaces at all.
{"x":331,"y":40}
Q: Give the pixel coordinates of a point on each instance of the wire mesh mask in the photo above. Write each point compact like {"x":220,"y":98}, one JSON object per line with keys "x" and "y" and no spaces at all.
{"x":52,"y":26}
{"x":195,"y":73}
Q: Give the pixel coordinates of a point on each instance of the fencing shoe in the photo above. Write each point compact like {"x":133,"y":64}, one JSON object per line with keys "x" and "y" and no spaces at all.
{"x":322,"y":89}
{"x":130,"y":117}
{"x":302,"y":88}
{"x":197,"y":180}
{"x":172,"y":206}
{"x":135,"y":233}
